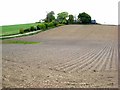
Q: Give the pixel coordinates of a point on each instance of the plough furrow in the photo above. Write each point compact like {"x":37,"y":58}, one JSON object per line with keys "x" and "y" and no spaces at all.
{"x":85,"y":62}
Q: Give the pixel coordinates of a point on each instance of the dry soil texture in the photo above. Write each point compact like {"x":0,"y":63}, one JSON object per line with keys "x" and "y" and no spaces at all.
{"x":68,"y":56}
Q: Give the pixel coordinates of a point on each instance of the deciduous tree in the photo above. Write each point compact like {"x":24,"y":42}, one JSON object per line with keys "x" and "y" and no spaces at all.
{"x":84,"y":18}
{"x":62,"y":17}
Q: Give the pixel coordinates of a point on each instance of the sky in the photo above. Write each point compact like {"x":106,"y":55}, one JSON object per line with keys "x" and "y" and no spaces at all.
{"x":30,"y":11}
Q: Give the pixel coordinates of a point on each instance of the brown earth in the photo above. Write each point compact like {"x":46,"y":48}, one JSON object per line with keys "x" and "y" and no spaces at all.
{"x":72,"y":56}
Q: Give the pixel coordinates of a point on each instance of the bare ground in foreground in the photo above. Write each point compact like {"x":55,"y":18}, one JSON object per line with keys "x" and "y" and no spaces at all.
{"x":75,"y":56}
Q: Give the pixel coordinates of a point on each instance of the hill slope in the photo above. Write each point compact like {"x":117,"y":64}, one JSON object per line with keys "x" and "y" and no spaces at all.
{"x":69,"y":56}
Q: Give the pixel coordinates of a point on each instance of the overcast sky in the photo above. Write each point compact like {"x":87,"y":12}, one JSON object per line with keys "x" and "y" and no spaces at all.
{"x":29,"y":11}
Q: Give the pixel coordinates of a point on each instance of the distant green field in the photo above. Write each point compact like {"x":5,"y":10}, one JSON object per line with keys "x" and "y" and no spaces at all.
{"x":14,"y":29}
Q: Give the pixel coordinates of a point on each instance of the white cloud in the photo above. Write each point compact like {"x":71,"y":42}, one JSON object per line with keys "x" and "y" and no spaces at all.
{"x":27,"y":11}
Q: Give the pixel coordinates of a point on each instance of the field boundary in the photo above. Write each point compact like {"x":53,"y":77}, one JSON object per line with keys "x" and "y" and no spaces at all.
{"x":18,"y":35}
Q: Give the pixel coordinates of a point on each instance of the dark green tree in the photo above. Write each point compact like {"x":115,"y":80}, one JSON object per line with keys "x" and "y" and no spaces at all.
{"x":71,"y":19}
{"x":50,"y":16}
{"x":62,"y":17}
{"x":84,"y":18}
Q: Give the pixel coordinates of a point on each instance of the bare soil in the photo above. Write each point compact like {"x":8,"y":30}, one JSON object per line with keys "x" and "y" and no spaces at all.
{"x":71,"y":56}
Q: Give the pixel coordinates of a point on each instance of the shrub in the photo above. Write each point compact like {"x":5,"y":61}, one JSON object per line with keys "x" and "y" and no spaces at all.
{"x":33,"y":28}
{"x":42,"y":26}
{"x":27,"y":30}
{"x":46,"y":25}
{"x":21,"y":31}
{"x":38,"y":27}
{"x":55,"y":23}
{"x":51,"y":24}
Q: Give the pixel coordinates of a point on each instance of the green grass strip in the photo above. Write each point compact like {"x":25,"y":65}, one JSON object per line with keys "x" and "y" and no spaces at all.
{"x":18,"y":42}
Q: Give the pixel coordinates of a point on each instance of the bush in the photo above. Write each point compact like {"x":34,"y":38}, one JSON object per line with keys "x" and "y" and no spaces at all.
{"x":42,"y":26}
{"x":51,"y":24}
{"x":33,"y":28}
{"x":55,"y":23}
{"x":21,"y":31}
{"x":27,"y":30}
{"x":38,"y":27}
{"x":46,"y":25}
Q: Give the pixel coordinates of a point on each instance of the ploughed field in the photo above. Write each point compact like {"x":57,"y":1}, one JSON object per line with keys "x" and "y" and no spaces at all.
{"x":71,"y":56}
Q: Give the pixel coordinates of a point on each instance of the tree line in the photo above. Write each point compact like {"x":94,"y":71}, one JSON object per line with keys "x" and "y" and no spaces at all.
{"x":65,"y":18}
